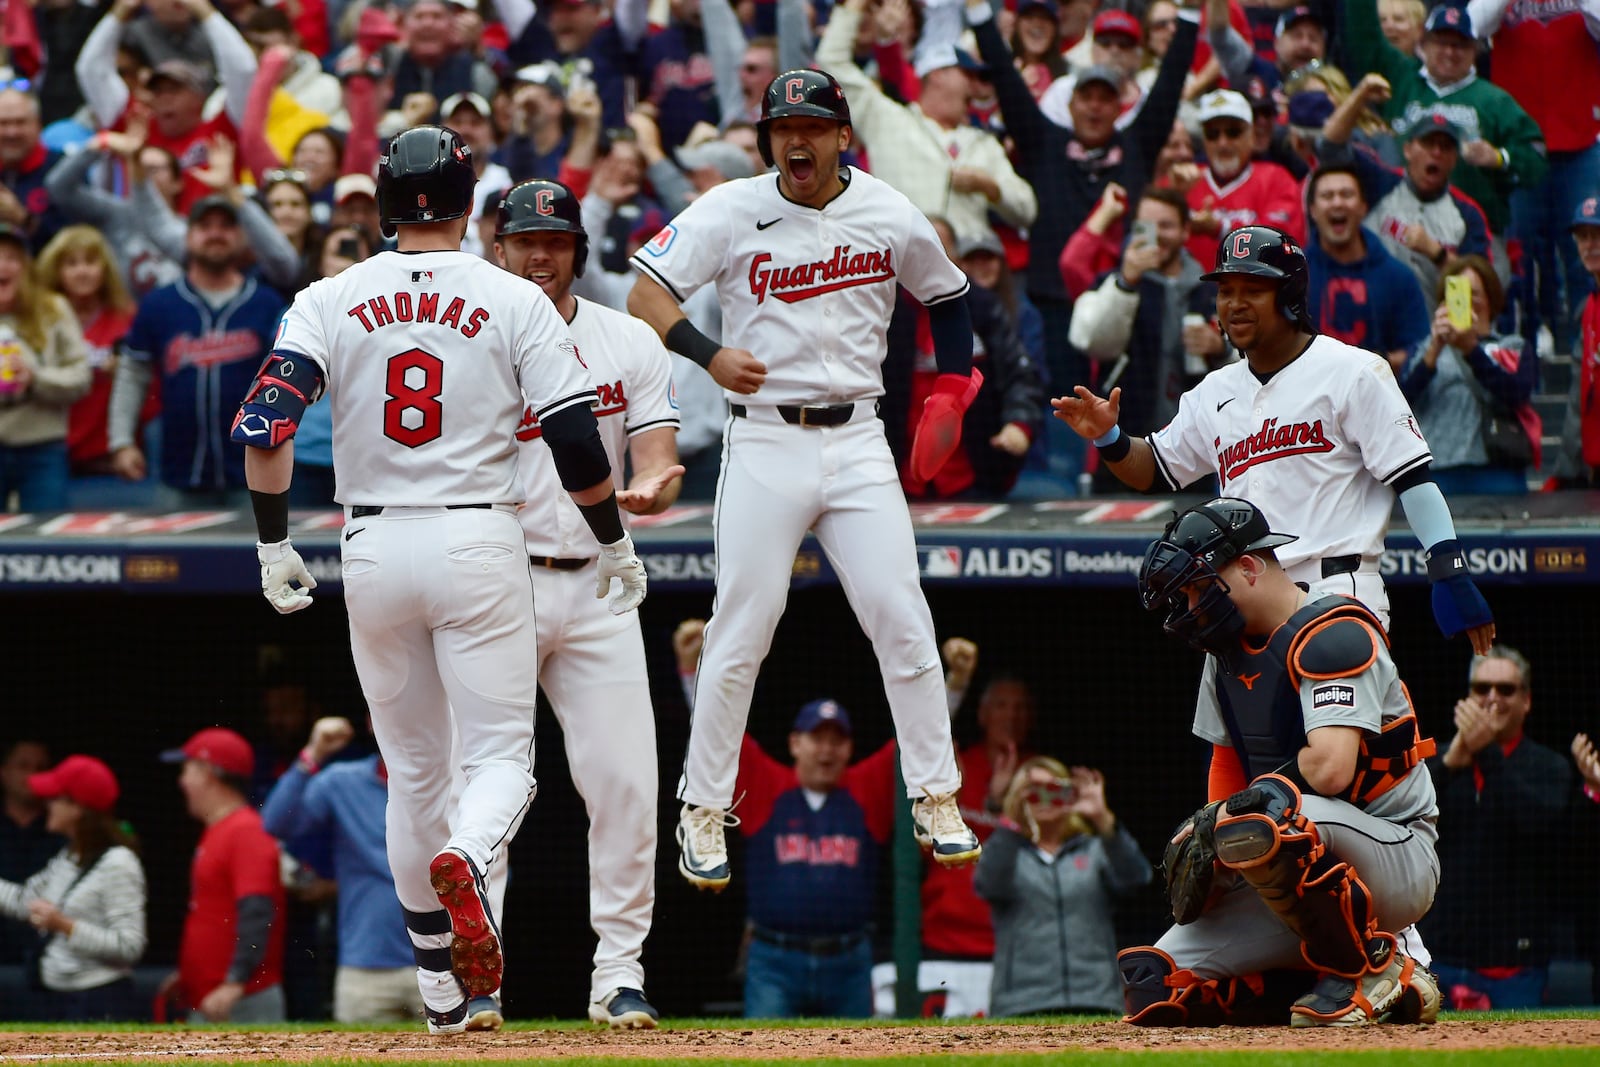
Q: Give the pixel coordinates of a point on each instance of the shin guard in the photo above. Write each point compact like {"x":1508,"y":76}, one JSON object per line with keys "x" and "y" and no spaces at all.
{"x":1262,"y":834}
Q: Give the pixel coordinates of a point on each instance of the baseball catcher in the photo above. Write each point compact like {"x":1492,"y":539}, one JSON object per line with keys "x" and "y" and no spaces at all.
{"x":1318,"y":840}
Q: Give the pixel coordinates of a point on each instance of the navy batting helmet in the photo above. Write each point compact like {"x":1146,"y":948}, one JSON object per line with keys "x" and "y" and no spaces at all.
{"x":424,"y":175}
{"x":799,"y":92}
{"x":1193,"y":550}
{"x":541,"y":204}
{"x":1267,"y":253}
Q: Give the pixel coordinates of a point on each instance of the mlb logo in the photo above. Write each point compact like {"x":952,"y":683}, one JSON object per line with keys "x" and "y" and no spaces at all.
{"x":422,"y":277}
{"x":941,"y":561}
{"x":662,"y":241}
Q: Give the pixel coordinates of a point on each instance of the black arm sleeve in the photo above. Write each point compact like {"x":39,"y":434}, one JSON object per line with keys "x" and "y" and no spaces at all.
{"x":950,"y":323}
{"x":574,"y":439}
{"x":250,"y":937}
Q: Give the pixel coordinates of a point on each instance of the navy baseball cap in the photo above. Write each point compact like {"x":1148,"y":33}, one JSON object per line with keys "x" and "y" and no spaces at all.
{"x":1588,"y":213}
{"x":1297,"y":14}
{"x":822,"y":712}
{"x":1049,"y":6}
{"x":1434,"y":120}
{"x":1448,"y":19}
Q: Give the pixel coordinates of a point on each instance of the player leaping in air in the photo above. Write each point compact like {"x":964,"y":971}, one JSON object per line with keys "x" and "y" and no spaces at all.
{"x":806,"y":263}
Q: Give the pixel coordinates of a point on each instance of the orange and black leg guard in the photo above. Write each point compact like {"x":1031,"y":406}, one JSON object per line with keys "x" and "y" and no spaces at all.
{"x":1157,"y":993}
{"x":1262,"y":834}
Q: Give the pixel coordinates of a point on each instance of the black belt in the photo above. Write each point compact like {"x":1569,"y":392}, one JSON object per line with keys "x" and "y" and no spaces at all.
{"x":1332,"y":565}
{"x":366,"y":511}
{"x":815,"y":946}
{"x":829,"y":415}
{"x":556,"y":563}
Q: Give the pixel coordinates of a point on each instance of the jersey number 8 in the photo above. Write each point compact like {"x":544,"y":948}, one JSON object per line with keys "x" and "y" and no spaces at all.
{"x":413,"y":415}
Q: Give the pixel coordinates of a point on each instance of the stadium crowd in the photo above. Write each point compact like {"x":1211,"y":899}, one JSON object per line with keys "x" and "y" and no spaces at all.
{"x":173,"y":172}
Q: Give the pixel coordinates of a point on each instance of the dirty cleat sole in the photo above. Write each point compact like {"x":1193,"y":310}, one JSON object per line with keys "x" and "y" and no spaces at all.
{"x":475,"y":955}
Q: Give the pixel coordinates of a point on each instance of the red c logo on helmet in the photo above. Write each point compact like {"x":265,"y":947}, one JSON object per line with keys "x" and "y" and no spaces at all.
{"x":792,"y":91}
{"x":544,"y":202}
{"x":1240,"y":248}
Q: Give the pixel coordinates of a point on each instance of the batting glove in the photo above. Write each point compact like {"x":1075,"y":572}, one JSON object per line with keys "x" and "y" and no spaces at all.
{"x":280,"y":565}
{"x":619,"y":560}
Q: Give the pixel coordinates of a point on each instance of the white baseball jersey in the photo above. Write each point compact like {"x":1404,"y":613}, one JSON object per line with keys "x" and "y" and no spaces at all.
{"x":808,"y":291}
{"x":1296,"y":446}
{"x":428,"y":357}
{"x":632,"y":373}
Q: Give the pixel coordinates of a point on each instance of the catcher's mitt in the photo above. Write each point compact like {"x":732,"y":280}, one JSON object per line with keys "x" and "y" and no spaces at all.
{"x":1190,"y":864}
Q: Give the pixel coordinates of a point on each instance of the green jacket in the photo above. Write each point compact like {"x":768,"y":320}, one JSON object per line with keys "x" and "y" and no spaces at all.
{"x":1484,"y":111}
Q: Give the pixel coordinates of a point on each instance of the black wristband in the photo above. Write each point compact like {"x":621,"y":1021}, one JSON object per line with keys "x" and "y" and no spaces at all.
{"x":272,"y":515}
{"x":604,"y":520}
{"x":1117,"y":450}
{"x":687,"y":341}
{"x":1446,"y":561}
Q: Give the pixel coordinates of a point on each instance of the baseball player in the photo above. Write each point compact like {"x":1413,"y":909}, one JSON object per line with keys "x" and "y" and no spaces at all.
{"x":1312,"y":431}
{"x":591,"y":663}
{"x":806,"y":263}
{"x":1321,"y":814}
{"x":427,"y":355}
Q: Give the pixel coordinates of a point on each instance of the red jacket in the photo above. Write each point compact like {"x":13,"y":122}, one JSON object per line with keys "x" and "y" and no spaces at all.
{"x":1589,"y":382}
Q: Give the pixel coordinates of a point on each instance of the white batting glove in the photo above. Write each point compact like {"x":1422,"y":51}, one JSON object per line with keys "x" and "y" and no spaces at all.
{"x":619,"y":560}
{"x":280,"y":565}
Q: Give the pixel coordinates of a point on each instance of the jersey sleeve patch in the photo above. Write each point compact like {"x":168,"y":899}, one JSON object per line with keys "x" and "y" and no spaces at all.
{"x":658,"y":245}
{"x":1328,"y":695}
{"x":1337,"y":649}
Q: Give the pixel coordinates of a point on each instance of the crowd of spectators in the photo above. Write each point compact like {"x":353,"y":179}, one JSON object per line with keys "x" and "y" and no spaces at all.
{"x":172,"y":172}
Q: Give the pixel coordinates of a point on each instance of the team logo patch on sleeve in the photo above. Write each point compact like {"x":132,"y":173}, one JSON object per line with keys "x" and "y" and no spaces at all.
{"x":662,"y":241}
{"x":1333,"y":695}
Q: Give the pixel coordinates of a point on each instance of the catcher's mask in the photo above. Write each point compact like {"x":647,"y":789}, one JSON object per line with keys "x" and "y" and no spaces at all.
{"x":1191,"y":553}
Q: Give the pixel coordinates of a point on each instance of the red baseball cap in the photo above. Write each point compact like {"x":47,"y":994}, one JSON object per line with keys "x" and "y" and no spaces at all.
{"x":81,"y":779}
{"x":1114,"y":21}
{"x":222,"y":748}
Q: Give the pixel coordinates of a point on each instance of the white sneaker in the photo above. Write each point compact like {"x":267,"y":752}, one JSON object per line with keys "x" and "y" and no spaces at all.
{"x":937,"y":824}
{"x":704,"y":858}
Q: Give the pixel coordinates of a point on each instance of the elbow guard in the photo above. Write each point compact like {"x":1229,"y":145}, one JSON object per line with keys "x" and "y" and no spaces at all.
{"x":271,"y":411}
{"x":573,"y":436}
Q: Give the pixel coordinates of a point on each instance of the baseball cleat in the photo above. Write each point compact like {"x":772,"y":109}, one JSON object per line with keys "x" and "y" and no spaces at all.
{"x":453,"y":1021}
{"x":704,"y":857}
{"x":1339,"y":1001}
{"x":483,"y":1013}
{"x":938,"y":826}
{"x":1419,"y":1002}
{"x":625,"y":1009}
{"x":475,"y":955}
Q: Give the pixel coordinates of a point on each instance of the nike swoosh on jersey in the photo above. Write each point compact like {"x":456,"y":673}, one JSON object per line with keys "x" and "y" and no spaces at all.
{"x":351,"y":533}
{"x":763,"y":225}
{"x":1225,"y":403}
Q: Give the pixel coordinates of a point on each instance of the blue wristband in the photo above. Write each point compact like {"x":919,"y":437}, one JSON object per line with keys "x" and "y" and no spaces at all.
{"x":1109,"y":437}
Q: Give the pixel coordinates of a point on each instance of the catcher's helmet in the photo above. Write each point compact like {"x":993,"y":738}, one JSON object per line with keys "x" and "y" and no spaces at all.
{"x":1193,"y":550}
{"x":424,"y":175}
{"x":1267,"y":253}
{"x":541,"y":204}
{"x":799,"y":92}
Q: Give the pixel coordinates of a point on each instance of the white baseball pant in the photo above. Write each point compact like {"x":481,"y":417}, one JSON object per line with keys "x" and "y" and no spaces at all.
{"x":778,"y":481}
{"x":441,"y":619}
{"x":592,"y":670}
